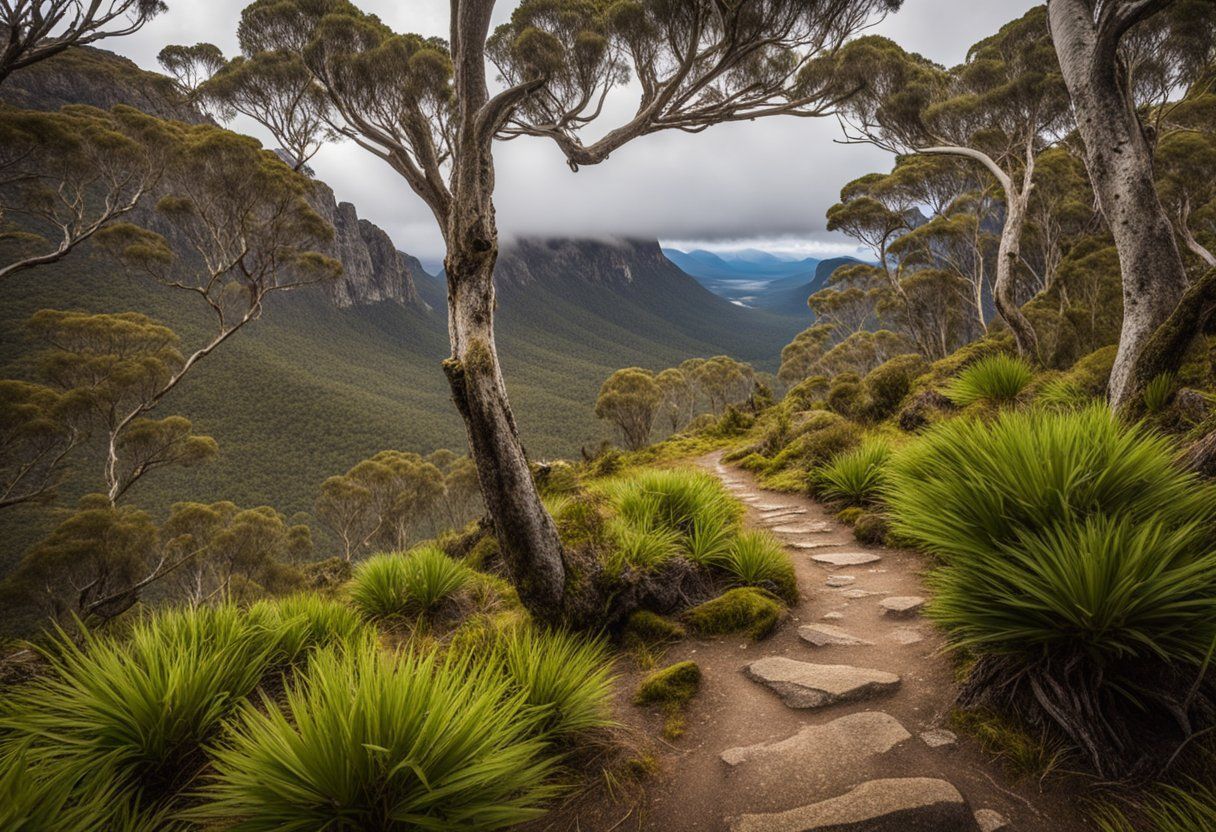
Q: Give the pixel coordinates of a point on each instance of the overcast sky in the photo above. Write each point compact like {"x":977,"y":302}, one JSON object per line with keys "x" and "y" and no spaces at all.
{"x":763,"y":184}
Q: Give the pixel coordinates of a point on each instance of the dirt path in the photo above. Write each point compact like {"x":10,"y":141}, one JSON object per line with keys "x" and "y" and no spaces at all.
{"x":728,"y":771}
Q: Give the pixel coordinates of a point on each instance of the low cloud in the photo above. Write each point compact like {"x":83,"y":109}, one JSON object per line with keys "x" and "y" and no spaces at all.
{"x":761,"y":184}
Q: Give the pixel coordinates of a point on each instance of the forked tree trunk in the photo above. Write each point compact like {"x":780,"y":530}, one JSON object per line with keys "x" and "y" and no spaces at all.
{"x":1120,"y":164}
{"x":1009,"y":254}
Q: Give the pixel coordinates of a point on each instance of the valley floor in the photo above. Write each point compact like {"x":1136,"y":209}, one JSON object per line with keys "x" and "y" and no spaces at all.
{"x":881,"y":758}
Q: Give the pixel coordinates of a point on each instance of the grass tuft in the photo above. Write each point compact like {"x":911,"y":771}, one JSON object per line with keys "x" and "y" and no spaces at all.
{"x":756,"y":558}
{"x":672,"y":688}
{"x":994,"y":379}
{"x":415,"y":583}
{"x":854,"y":478}
{"x":374,"y":741}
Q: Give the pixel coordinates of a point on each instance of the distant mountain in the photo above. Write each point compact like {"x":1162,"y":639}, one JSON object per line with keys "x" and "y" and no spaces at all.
{"x":745,"y":264}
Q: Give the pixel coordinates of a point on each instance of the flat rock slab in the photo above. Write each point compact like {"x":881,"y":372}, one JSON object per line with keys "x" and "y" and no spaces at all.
{"x":812,"y":544}
{"x":857,"y":593}
{"x":938,"y":738}
{"x":817,"y":527}
{"x":913,"y":804}
{"x":832,"y":616}
{"x":905,"y":636}
{"x":775,"y":507}
{"x":825,"y":635}
{"x":989,"y":820}
{"x":806,"y":685}
{"x":902,"y":606}
{"x":846,"y":558}
{"x":777,"y":512}
{"x":829,"y":746}
{"x":840,"y":580}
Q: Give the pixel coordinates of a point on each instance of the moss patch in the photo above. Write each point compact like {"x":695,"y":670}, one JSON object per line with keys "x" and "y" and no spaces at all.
{"x":671,"y":688}
{"x":871,"y":529}
{"x":743,"y":610}
{"x":851,"y":515}
{"x":648,"y":627}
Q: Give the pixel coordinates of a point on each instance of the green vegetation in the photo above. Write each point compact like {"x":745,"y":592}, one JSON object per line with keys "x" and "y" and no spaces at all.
{"x":995,"y":379}
{"x":672,"y":688}
{"x":565,"y":678}
{"x":1076,"y":557}
{"x":743,"y":610}
{"x":376,"y":740}
{"x":854,"y":478}
{"x":651,"y":628}
{"x":757,"y":559}
{"x":1183,"y":808}
{"x":418,"y":582}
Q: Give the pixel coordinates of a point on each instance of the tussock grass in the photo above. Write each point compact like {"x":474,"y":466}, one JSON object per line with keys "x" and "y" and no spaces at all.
{"x":855,"y":477}
{"x":1173,"y":809}
{"x":756,"y":558}
{"x":415,"y":583}
{"x":994,"y":379}
{"x":129,"y":718}
{"x":675,"y":500}
{"x":1078,"y":566}
{"x":373,"y":741}
{"x":565,"y":677}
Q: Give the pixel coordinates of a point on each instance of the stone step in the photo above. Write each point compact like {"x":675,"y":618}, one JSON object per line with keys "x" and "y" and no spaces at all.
{"x":813,"y":544}
{"x":902,"y":606}
{"x":938,"y":737}
{"x":912,"y":804}
{"x":991,"y":821}
{"x":826,"y":635}
{"x":806,"y":685}
{"x":846,"y":558}
{"x":775,"y":507}
{"x":810,"y":527}
{"x":905,"y":636}
{"x":839,"y":580}
{"x":840,"y":742}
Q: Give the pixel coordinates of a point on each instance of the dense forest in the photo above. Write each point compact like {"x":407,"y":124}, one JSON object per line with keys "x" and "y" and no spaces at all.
{"x":936,"y":552}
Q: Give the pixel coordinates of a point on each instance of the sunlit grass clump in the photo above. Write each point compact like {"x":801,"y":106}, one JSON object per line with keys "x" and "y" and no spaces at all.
{"x":368,"y":740}
{"x":1078,"y":565}
{"x":994,"y":379}
{"x":756,"y":558}
{"x":130,"y":717}
{"x":855,"y":477}
{"x":566,"y":677}
{"x":677,"y":500}
{"x":411,"y":584}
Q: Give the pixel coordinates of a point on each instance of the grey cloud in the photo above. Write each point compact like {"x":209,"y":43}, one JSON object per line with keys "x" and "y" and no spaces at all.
{"x":760,"y":181}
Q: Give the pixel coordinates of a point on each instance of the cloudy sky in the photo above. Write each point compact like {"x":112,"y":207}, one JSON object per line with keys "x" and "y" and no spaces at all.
{"x":764,"y":184}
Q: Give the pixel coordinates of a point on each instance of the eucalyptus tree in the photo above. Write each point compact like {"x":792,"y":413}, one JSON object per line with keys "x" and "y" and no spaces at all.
{"x":34,"y":30}
{"x":630,"y":399}
{"x":1115,"y":56}
{"x":679,"y":397}
{"x":425,"y":106}
{"x":242,"y":230}
{"x":999,"y":109}
{"x":39,"y":427}
{"x":66,"y":175}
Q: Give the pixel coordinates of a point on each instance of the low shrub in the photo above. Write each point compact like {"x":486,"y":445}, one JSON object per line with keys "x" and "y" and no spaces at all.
{"x":849,"y":516}
{"x":418,"y":582}
{"x":854,"y":478}
{"x":817,"y":446}
{"x":994,"y":379}
{"x":305,"y":621}
{"x":756,"y":558}
{"x":1062,"y":394}
{"x":374,"y":741}
{"x":1078,"y":567}
{"x":886,"y":386}
{"x":743,"y":610}
{"x":566,"y":677}
{"x":845,"y":394}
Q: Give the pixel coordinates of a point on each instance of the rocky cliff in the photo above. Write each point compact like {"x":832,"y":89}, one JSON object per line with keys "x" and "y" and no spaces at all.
{"x":373,"y":269}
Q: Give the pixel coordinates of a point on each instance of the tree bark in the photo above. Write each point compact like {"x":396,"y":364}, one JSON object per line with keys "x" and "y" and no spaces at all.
{"x":1120,"y":164}
{"x":1009,"y":254}
{"x":526,"y":533}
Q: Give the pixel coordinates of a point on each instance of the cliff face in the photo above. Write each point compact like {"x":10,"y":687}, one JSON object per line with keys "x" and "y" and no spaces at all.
{"x":610,"y":263}
{"x":373,"y":270}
